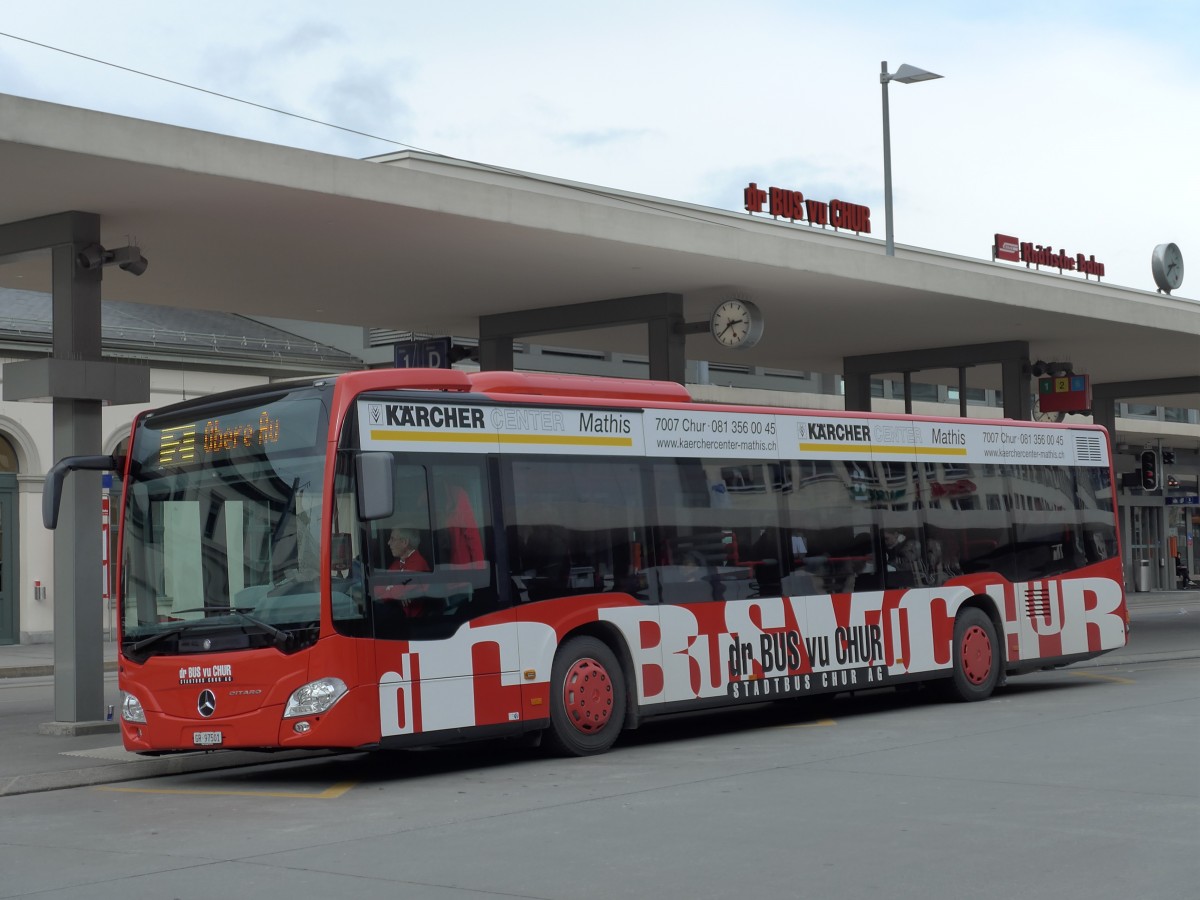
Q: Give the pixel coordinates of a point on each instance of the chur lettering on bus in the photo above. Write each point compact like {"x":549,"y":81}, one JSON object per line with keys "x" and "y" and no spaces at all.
{"x":744,"y":651}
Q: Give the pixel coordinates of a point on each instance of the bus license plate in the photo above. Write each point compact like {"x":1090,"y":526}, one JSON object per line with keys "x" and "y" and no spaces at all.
{"x":206,"y":738}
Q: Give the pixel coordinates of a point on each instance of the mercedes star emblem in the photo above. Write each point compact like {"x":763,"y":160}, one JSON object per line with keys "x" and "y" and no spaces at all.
{"x":207,"y":704}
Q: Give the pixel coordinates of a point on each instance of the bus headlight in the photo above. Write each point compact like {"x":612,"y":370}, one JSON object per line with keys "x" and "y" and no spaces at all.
{"x":131,"y":708}
{"x":314,"y":698}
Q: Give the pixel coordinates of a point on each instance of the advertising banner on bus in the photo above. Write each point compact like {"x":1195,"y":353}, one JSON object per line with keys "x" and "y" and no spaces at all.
{"x":469,"y":428}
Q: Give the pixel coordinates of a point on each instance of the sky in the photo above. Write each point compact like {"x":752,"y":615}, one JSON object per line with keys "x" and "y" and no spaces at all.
{"x":1073,"y":124}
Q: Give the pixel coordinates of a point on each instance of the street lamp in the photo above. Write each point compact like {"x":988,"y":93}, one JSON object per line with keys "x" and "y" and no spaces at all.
{"x":906,"y":74}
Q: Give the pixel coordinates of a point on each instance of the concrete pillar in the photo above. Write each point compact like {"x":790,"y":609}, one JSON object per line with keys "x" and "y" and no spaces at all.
{"x":78,"y":381}
{"x":858,"y":391}
{"x":78,"y":617}
{"x":668,"y":354}
{"x":496,"y":352}
{"x":1018,"y":390}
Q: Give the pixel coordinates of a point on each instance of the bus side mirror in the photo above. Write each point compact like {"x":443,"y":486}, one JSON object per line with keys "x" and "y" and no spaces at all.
{"x":375,"y":496}
{"x":52,"y":491}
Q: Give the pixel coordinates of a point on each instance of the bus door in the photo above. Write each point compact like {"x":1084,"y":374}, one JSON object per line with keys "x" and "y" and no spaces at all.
{"x":445,"y":648}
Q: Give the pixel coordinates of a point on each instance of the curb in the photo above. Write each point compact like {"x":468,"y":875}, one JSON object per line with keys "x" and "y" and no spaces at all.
{"x":150,"y":767}
{"x":43,"y":669}
{"x":1109,"y":660}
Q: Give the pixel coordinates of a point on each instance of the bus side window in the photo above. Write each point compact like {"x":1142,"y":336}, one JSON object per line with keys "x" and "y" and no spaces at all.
{"x":764,"y":557}
{"x":430,"y":565}
{"x":459,"y":539}
{"x":546,"y":558}
{"x":904,"y":555}
{"x":693,"y":578}
{"x":574,"y":527}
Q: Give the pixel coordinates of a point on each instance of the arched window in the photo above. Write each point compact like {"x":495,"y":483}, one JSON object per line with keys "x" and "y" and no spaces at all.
{"x":8,"y":455}
{"x":9,"y":529}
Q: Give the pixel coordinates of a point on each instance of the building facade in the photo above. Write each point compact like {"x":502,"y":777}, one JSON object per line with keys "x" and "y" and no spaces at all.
{"x":189,"y":354}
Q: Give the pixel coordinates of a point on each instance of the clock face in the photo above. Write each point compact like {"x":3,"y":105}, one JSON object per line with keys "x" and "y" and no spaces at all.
{"x":1039,"y":415}
{"x":1167,"y":266}
{"x":736,"y":324}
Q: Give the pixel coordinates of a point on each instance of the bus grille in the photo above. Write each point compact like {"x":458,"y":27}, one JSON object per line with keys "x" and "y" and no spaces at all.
{"x":1088,"y":448}
{"x":1037,"y":601}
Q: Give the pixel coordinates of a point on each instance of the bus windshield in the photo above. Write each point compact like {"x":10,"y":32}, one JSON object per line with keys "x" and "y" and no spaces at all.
{"x":222,"y":526}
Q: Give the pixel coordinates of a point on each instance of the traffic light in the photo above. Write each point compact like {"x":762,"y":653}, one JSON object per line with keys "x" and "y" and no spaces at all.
{"x":1168,"y":457}
{"x":1149,"y":470}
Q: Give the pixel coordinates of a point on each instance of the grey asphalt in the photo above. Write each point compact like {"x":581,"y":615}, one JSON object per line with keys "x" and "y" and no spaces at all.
{"x":35,"y":756}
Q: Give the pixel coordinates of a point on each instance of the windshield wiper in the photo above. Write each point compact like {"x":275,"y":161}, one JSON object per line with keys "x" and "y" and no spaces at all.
{"x":155,"y":638}
{"x":280,"y":636}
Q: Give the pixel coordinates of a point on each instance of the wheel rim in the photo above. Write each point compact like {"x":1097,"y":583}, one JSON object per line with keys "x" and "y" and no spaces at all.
{"x":976,"y":655}
{"x":588,"y":696}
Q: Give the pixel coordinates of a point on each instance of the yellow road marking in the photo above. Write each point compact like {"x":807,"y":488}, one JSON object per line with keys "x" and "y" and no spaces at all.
{"x":1113,"y":678}
{"x":820,"y":723}
{"x":331,"y":793}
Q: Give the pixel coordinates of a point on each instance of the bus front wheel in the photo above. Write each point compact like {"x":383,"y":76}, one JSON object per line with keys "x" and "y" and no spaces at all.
{"x":587,"y":698}
{"x":977,"y":657}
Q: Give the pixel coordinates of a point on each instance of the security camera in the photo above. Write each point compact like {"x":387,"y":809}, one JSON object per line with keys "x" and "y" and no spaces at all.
{"x":136,"y":266}
{"x":130,"y":259}
{"x":91,"y":257}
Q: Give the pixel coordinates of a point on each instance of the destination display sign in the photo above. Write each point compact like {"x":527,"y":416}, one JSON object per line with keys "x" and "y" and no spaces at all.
{"x":468,"y":428}
{"x":233,"y":434}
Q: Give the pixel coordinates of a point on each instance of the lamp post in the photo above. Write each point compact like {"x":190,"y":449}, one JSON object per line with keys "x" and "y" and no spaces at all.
{"x":906,"y":74}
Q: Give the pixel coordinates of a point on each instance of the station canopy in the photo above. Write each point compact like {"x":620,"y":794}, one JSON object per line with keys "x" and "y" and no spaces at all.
{"x":424,"y":243}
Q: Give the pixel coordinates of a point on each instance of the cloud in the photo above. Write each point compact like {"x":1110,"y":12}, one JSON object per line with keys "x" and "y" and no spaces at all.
{"x":588,"y":140}
{"x":368,"y":99}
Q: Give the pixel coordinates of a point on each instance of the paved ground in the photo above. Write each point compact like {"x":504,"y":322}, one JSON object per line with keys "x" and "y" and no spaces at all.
{"x":1166,"y":626}
{"x":1076,"y":784}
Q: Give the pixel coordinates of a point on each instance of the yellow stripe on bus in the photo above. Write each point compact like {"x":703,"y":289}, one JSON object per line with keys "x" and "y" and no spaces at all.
{"x":469,"y":437}
{"x":883,"y":448}
{"x":572,"y":440}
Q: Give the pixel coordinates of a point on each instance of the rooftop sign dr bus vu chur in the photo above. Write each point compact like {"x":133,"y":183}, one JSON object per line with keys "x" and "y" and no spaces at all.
{"x":792,"y":205}
{"x":1013,"y":249}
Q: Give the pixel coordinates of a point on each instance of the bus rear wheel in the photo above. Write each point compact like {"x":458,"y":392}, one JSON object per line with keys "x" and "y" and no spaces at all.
{"x":587,"y":698}
{"x":977,"y":658}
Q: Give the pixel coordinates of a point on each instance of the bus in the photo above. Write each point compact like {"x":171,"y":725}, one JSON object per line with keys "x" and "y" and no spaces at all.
{"x":394,"y":558}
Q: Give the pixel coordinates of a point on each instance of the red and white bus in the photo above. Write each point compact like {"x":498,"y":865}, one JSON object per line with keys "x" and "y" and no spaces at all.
{"x":407,"y":557}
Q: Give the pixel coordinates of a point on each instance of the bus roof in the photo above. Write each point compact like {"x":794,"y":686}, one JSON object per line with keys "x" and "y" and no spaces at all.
{"x":535,"y":387}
